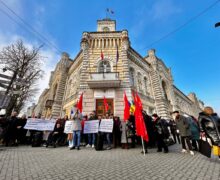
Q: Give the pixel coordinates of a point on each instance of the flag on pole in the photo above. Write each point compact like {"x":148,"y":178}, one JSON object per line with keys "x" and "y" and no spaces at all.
{"x":105,"y":104}
{"x":132,"y":107}
{"x":110,"y":11}
{"x":139,"y":120}
{"x":138,"y":99}
{"x":126,"y":108}
{"x":80,"y":103}
{"x":102,"y":55}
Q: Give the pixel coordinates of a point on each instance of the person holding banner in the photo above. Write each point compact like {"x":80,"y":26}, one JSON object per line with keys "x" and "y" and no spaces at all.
{"x":91,"y":137}
{"x":108,"y":135}
{"x":77,"y":127}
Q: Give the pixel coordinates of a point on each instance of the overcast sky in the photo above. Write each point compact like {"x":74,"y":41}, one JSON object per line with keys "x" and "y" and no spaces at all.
{"x":192,"y":51}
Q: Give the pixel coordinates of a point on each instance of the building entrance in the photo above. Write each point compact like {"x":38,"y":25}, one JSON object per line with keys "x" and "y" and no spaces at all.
{"x":100,"y":109}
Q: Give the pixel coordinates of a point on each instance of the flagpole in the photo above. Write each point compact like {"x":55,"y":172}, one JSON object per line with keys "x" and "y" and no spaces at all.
{"x":143,"y":145}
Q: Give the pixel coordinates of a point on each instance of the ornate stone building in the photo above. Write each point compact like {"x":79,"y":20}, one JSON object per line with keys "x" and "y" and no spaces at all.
{"x":97,"y":78}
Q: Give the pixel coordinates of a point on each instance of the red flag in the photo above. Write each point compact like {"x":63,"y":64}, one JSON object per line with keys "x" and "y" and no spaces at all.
{"x":105,"y":104}
{"x":127,"y":108}
{"x":79,"y":104}
{"x":102,"y":55}
{"x":139,"y":120}
{"x":138,"y":100}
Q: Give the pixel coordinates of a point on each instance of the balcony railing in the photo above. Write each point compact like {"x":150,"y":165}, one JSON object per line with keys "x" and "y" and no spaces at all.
{"x":104,"y":80}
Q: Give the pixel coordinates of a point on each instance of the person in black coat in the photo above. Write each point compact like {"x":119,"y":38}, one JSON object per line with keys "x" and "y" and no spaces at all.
{"x":132,"y":130}
{"x":55,"y":135}
{"x":21,"y":132}
{"x":116,"y":131}
{"x":150,"y":130}
{"x":161,"y":132}
{"x":210,"y":125}
{"x":11,"y":130}
{"x":174,"y":131}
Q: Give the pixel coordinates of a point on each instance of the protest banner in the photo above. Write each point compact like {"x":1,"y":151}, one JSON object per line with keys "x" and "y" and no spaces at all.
{"x":106,"y":125}
{"x":40,"y":124}
{"x":91,"y":127}
{"x":68,"y":127}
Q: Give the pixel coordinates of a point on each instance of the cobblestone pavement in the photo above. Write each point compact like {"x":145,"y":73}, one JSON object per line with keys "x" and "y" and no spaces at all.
{"x":28,"y":163}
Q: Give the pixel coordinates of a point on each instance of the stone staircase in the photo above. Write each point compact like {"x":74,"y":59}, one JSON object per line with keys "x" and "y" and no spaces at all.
{"x":57,"y":105}
{"x":161,"y":103}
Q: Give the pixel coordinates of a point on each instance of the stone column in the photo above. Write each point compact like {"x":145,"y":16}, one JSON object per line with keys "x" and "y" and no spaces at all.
{"x":160,"y":101}
{"x":59,"y":96}
{"x":85,"y":62}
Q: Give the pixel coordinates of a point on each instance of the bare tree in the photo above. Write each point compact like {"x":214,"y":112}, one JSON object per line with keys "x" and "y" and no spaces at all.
{"x":24,"y":63}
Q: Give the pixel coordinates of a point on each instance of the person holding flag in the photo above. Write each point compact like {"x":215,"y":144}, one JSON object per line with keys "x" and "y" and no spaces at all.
{"x":141,"y":129}
{"x":77,"y":126}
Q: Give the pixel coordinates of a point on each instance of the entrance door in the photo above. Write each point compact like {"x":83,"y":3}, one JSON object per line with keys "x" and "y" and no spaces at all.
{"x":100,"y":109}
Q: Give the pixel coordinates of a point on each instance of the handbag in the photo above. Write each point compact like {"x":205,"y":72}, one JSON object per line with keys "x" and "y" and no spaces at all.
{"x":216,"y":150}
{"x":205,"y":148}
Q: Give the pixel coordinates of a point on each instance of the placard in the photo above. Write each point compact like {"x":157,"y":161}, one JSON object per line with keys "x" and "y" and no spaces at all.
{"x":106,"y":125}
{"x":40,"y":124}
{"x":68,"y":127}
{"x":91,"y":127}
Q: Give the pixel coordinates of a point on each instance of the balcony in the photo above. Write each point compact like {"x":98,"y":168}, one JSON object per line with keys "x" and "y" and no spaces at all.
{"x":104,"y":80}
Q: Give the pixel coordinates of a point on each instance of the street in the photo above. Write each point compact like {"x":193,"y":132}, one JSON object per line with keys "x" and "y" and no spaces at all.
{"x":25,"y":162}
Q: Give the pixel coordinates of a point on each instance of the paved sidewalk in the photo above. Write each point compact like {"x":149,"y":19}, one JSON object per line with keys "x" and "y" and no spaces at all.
{"x":26,"y":163}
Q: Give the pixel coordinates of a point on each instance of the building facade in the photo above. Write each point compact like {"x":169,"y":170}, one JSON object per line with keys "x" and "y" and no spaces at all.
{"x":120,"y":69}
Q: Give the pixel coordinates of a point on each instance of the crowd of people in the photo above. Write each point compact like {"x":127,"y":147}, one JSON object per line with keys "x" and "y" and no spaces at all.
{"x":181,"y":129}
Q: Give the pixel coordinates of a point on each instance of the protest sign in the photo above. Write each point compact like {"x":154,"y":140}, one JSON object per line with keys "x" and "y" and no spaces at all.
{"x":40,"y":124}
{"x":68,"y":127}
{"x":106,"y":125}
{"x":91,"y":127}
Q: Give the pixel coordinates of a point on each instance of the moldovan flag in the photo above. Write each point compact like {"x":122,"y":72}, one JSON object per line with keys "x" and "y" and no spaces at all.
{"x":105,"y":104}
{"x":139,"y":120}
{"x":102,"y":55}
{"x":79,"y":104}
{"x":127,"y":108}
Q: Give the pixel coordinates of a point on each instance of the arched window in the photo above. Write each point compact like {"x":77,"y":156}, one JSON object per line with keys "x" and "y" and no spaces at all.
{"x":145,"y":85}
{"x":104,"y":66}
{"x":139,"y":81}
{"x":69,"y":85}
{"x":54,"y":91}
{"x":164,"y":89}
{"x":106,"y":29}
{"x":132,"y":76}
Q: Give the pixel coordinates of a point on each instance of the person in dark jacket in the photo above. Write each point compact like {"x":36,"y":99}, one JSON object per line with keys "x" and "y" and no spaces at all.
{"x":55,"y":135}
{"x":162,"y":133}
{"x":210,"y":125}
{"x":11,"y":131}
{"x":150,"y":130}
{"x":195,"y":131}
{"x":174,"y":131}
{"x":131,"y":133}
{"x":185,"y":132}
{"x":116,"y":131}
{"x":21,"y":135}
